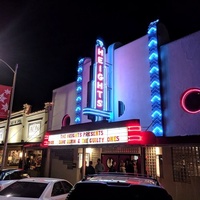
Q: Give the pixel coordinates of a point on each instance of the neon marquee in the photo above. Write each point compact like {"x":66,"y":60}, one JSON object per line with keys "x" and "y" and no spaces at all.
{"x":130,"y":134}
{"x":103,"y":136}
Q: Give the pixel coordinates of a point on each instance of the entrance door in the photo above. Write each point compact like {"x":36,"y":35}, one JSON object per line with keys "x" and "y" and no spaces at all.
{"x":108,"y":158}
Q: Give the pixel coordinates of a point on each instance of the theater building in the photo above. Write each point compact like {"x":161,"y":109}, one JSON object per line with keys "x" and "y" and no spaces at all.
{"x":25,"y":148}
{"x":139,"y":101}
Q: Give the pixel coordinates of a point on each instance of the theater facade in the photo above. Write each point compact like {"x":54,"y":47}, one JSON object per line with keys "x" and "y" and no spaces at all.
{"x":137,"y":101}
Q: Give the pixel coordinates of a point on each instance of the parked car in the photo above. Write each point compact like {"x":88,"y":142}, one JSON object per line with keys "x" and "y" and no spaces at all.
{"x":7,"y":176}
{"x":42,"y":188}
{"x":118,"y":186}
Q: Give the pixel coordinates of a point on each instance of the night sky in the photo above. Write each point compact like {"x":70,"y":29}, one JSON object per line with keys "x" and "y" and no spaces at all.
{"x":47,"y":38}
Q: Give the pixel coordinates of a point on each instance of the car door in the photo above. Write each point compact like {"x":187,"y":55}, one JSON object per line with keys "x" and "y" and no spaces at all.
{"x":60,"y":190}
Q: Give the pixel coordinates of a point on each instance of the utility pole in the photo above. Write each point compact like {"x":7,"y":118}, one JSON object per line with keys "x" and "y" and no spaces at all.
{"x":9,"y":113}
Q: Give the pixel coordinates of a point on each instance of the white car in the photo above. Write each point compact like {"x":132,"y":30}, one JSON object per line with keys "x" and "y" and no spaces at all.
{"x":4,"y":184}
{"x":41,"y":188}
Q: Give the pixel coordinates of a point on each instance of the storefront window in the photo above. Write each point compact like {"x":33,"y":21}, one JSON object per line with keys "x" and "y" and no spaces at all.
{"x":14,"y":157}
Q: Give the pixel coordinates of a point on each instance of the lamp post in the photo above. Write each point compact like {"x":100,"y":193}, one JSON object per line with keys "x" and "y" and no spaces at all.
{"x":9,"y":113}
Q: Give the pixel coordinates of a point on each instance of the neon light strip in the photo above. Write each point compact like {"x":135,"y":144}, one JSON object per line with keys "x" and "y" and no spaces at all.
{"x":134,"y":128}
{"x":155,"y":80}
{"x":96,"y":112}
{"x":134,"y":138}
{"x":79,"y":92}
{"x":105,"y":82}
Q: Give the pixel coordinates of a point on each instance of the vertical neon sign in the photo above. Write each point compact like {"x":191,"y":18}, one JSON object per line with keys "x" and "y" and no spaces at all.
{"x":155,"y":79}
{"x":99,"y":99}
{"x":99,"y":77}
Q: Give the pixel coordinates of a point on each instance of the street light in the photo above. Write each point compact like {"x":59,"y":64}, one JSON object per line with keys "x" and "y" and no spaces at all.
{"x":9,"y":112}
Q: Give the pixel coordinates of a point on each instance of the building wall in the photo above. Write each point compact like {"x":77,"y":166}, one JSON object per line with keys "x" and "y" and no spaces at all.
{"x":180,"y":71}
{"x":63,"y":102}
{"x":86,"y":77}
{"x":63,"y":172}
{"x":181,"y":190}
{"x":71,"y":173}
{"x":40,"y":118}
{"x":132,"y":81}
{"x":167,"y":178}
{"x":15,"y":129}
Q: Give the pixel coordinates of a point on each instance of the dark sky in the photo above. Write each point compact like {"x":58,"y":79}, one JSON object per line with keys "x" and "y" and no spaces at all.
{"x":46,"y":38}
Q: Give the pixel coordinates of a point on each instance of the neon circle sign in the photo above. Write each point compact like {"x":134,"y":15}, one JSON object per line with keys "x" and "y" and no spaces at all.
{"x":190,"y":100}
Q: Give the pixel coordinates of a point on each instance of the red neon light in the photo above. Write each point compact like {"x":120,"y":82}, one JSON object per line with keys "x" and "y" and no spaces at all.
{"x":183,"y":100}
{"x":45,"y":141}
{"x":134,"y":138}
{"x":134,"y":133}
{"x":141,"y":138}
{"x":99,"y":77}
{"x":134,"y":128}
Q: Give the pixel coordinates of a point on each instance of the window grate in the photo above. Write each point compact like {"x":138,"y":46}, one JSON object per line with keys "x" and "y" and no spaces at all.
{"x":151,"y":161}
{"x":185,"y":162}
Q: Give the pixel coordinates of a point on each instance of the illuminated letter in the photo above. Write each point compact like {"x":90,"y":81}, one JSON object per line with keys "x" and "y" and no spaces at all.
{"x":100,"y":52}
{"x":100,"y":85}
{"x":99,"y":103}
{"x":99,"y":93}
{"x":100,"y":77}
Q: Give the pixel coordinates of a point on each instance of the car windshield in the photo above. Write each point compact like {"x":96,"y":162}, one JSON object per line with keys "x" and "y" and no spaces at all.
{"x":24,"y":189}
{"x":1,"y":175}
{"x":134,"y":192}
{"x":12,"y":174}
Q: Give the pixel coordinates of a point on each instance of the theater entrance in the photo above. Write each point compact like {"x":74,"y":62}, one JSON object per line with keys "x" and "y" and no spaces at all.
{"x":132,"y":162}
